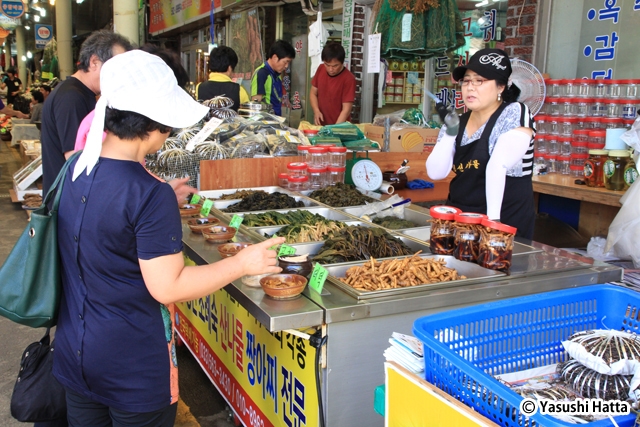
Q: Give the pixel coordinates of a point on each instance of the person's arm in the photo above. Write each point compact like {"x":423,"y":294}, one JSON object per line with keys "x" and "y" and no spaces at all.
{"x":508,"y":151}
{"x":440,"y":160}
{"x":318,"y":118}
{"x":257,"y":84}
{"x":244,"y":96}
{"x":14,"y":113}
{"x":345,"y":113}
{"x":348,"y":98}
{"x":169,"y":280}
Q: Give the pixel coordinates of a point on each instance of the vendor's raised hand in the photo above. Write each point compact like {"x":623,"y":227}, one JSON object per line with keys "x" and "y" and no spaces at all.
{"x":318,"y":118}
{"x":259,"y":258}
{"x":181,"y":188}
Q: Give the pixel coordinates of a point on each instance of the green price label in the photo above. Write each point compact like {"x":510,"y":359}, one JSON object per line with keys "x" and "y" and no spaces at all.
{"x":286,"y":250}
{"x":206,"y":207}
{"x":195,"y":199}
{"x":318,"y":277}
{"x":235,"y":221}
{"x":274,"y":247}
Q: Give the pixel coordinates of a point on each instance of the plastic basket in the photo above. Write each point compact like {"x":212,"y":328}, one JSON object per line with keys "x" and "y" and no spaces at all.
{"x":464,"y":348}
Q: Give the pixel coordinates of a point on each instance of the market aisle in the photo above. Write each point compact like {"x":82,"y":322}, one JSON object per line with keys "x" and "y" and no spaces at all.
{"x":201,"y":398}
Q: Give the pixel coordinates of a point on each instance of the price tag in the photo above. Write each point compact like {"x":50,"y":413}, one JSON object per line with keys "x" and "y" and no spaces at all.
{"x":206,"y":130}
{"x":286,"y":250}
{"x":235,"y":222}
{"x":274,"y":247}
{"x":318,"y":277}
{"x":195,"y":199}
{"x":206,"y":207}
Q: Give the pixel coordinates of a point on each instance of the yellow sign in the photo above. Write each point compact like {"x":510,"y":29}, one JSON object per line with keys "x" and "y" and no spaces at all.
{"x":267,"y":378}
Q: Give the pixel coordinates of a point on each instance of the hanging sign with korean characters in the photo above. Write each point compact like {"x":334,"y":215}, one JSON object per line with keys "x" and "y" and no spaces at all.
{"x":12,"y":8}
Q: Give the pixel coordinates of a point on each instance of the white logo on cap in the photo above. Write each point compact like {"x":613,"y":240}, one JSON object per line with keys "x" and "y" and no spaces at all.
{"x":493,"y":59}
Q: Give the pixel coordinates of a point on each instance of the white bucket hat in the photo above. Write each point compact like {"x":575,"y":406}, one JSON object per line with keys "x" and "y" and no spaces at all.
{"x":143,"y":83}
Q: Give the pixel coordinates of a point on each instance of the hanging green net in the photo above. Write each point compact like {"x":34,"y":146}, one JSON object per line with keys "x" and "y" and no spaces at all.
{"x":432,"y":32}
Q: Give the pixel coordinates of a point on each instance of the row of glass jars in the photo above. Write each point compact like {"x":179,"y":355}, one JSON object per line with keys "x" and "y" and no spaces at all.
{"x":591,"y":107}
{"x":564,"y":164}
{"x":319,"y":156}
{"x":580,"y":142}
{"x":587,"y":88}
{"x":300,"y":176}
{"x":613,"y":170}
{"x":559,"y":125}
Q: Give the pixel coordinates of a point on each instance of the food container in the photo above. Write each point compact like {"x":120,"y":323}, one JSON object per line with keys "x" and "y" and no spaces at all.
{"x":318,"y":157}
{"x":551,"y":160}
{"x":565,"y":145}
{"x":189,"y":210}
{"x":441,"y":240}
{"x":283,"y":179}
{"x":541,"y":124}
{"x":586,"y":88}
{"x":296,"y":169}
{"x":577,"y":171}
{"x":283,"y":286}
{"x":540,"y":144}
{"x":553,"y":125}
{"x":253,"y":280}
{"x":336,"y":174}
{"x":630,"y":88}
{"x":397,"y":98}
{"x":496,"y":245}
{"x":467,"y":235}
{"x":578,"y":159}
{"x":196,"y":225}
{"x":615,"y":89}
{"x":230,"y":249}
{"x":593,"y":123}
{"x":564,"y":164}
{"x":567,"y":125}
{"x":219,"y":233}
{"x":296,"y":264}
{"x":554,"y":87}
{"x":567,"y":107}
{"x":597,"y":139}
{"x":614,"y":168}
{"x":553,"y":106}
{"x":310,"y":132}
{"x":629,"y":109}
{"x":611,"y":123}
{"x":298,"y":183}
{"x":593,"y":174}
{"x":317,"y":177}
{"x":389,"y":97}
{"x":598,"y":108}
{"x":569,"y":89}
{"x":416,"y":99}
{"x":614,"y":107}
{"x":553,"y":146}
{"x":601,"y":88}
{"x":580,"y":135}
{"x":630,"y":172}
{"x":399,"y":90}
{"x":583,"y":106}
{"x":337,"y":156}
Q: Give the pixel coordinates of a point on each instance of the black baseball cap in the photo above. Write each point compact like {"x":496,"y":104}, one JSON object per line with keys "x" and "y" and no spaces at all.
{"x":491,"y":64}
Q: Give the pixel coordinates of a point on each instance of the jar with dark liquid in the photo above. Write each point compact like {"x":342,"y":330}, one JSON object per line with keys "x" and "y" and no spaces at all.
{"x":441,"y":239}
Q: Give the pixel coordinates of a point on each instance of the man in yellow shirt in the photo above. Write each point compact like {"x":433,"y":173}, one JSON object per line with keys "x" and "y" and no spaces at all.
{"x":222,"y":61}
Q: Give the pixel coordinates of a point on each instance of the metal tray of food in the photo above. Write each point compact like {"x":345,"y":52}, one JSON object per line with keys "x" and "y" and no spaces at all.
{"x":328,"y":213}
{"x":418,"y":218}
{"x":307,"y":192}
{"x":216,"y":194}
{"x":473,"y":272}
{"x":270,"y":231}
{"x":226,"y":203}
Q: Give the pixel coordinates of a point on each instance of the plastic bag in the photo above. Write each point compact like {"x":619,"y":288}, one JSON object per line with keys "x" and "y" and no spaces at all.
{"x":624,"y":231}
{"x":345,"y":131}
{"x":394,"y":117}
{"x":382,"y":208}
{"x":632,"y":139}
{"x":596,"y":249}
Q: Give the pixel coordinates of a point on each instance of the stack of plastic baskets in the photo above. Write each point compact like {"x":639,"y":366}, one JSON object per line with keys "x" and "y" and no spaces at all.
{"x":465,"y":348}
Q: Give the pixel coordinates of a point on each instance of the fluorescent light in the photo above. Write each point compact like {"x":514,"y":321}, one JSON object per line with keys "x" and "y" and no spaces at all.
{"x":36,"y":18}
{"x":24,"y":58}
{"x":29,"y":54}
{"x":27,"y":27}
{"x":43,"y":12}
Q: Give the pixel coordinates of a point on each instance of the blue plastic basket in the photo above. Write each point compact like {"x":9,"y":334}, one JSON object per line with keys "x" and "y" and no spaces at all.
{"x":464,"y":348}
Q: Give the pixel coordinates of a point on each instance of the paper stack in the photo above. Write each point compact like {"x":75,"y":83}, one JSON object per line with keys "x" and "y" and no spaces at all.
{"x":406,"y":351}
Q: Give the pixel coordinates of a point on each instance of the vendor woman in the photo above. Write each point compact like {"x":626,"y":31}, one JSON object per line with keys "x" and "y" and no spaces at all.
{"x":491,"y":152}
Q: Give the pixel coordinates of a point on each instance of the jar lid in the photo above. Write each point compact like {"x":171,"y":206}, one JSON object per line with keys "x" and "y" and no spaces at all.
{"x":283,"y":175}
{"x":615,"y":82}
{"x":553,"y":81}
{"x":540,"y":136}
{"x":611,"y":120}
{"x":469,"y":217}
{"x":586,"y":100}
{"x":600,"y":100}
{"x":565,"y":138}
{"x":564,"y":99}
{"x":598,"y":152}
{"x":549,"y":99}
{"x":566,"y":81}
{"x":619,"y":153}
{"x":579,"y":143}
{"x":579,"y":155}
{"x":576,"y":167}
{"x":443,"y":212}
{"x":317,"y":170}
{"x":337,"y":168}
{"x":326,"y":144}
{"x":569,"y":119}
{"x":303,"y":147}
{"x":301,"y":178}
{"x":310,"y":131}
{"x":586,"y":81}
{"x":496,"y":225}
{"x":592,"y":146}
{"x":592,"y":119}
{"x":318,"y":150}
{"x":597,"y":133}
{"x":551,"y":156}
{"x":297,"y":166}
{"x":581,"y":132}
{"x":337,"y":149}
{"x":564,"y":157}
{"x":603,"y":82}
{"x":540,"y":117}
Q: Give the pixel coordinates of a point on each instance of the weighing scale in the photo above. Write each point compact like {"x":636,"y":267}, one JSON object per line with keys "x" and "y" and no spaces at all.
{"x":363,"y":172}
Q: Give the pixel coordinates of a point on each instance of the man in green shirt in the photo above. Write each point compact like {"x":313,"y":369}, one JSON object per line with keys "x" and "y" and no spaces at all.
{"x":266,"y":83}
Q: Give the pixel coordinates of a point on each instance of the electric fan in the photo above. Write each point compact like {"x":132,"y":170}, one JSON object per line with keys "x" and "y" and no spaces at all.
{"x":531,"y":84}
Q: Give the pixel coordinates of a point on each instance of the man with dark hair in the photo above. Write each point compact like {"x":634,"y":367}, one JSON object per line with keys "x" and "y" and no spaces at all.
{"x":222,"y":62}
{"x":45,"y":90}
{"x":333,"y":88}
{"x":13,"y":85}
{"x":73,"y":99}
{"x":36,"y":106}
{"x":266,"y":83}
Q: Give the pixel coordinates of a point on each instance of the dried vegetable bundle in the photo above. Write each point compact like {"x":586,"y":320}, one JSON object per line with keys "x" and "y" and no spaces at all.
{"x":399,"y":273}
{"x":240,"y":194}
{"x":340,"y":195}
{"x":271,"y":218}
{"x":219,"y":107}
{"x":315,"y":232}
{"x":393,"y":223}
{"x":591,"y":384}
{"x":264,"y":201}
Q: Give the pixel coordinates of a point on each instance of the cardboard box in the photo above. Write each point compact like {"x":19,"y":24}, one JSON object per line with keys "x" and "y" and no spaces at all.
{"x":413,"y":140}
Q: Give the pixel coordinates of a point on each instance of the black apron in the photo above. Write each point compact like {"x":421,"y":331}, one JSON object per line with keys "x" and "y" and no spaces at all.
{"x":211,"y":89}
{"x":467,"y":189}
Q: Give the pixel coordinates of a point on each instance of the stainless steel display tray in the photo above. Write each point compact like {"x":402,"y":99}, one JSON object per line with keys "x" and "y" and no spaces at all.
{"x":473,"y":272}
{"x":312,"y":248}
{"x":418,"y":218}
{"x":215,"y":194}
{"x":226,"y":203}
{"x":307,"y":192}
{"x":274,"y":229}
{"x":328,"y":213}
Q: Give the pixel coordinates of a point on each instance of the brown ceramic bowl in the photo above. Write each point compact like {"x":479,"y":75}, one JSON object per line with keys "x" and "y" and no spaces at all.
{"x":198,"y":224}
{"x":283,"y":286}
{"x":219,"y":233}
{"x":189,"y":210}
{"x":230,"y":249}
{"x":292,"y":264}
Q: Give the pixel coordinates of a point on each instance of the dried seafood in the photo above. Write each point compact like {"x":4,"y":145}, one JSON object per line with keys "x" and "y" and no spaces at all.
{"x":591,"y":384}
{"x":611,"y":346}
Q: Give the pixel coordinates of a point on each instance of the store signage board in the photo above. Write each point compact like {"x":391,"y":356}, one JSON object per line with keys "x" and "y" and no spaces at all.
{"x":165,"y":15}
{"x":267,"y":378}
{"x":44,"y":34}
{"x":12,"y":8}
{"x":347,"y":30}
{"x":373,"y":54}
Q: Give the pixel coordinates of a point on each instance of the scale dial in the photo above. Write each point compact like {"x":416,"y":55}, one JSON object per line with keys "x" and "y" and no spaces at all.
{"x":366,"y":175}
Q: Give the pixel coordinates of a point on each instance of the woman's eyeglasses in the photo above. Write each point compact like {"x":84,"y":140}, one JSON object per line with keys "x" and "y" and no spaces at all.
{"x":474,"y":82}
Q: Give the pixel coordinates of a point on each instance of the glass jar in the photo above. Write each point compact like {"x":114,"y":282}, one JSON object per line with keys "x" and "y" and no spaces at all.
{"x":441,"y":240}
{"x":553,"y":146}
{"x":601,"y":88}
{"x":630,"y":172}
{"x":496,"y":245}
{"x":581,"y":123}
{"x":337,"y":156}
{"x":569,"y":89}
{"x":553,"y":106}
{"x":611,"y":123}
{"x":467,"y":236}
{"x":297,"y":169}
{"x":615,"y":89}
{"x":553,"y":125}
{"x":540,"y":144}
{"x":283,"y":180}
{"x":579,"y":147}
{"x":583,"y":106}
{"x":317,"y":178}
{"x":567,"y":124}
{"x":593,"y":123}
{"x":629,"y":109}
{"x":564,"y":163}
{"x":554,"y":87}
{"x":614,"y":107}
{"x":336,"y":174}
{"x":552,"y":165}
{"x":630,"y":89}
{"x":565,"y":145}
{"x":614,"y":168}
{"x":598,"y":108}
{"x":303,"y":150}
{"x":593,"y":175}
{"x":577,"y":171}
{"x":581,"y":135}
{"x":298,"y":183}
{"x":578,"y":159}
{"x":567,"y":107}
{"x":586,"y":87}
{"x":318,"y":157}
{"x":597,"y":139}
{"x":541,"y":124}
{"x":539,"y":164}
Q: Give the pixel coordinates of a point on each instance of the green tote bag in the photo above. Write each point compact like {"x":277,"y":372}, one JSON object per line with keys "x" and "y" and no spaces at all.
{"x":30,"y":278}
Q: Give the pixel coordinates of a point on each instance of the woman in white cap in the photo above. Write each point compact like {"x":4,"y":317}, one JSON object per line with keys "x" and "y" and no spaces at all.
{"x":491,"y":152}
{"x":120,"y":239}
